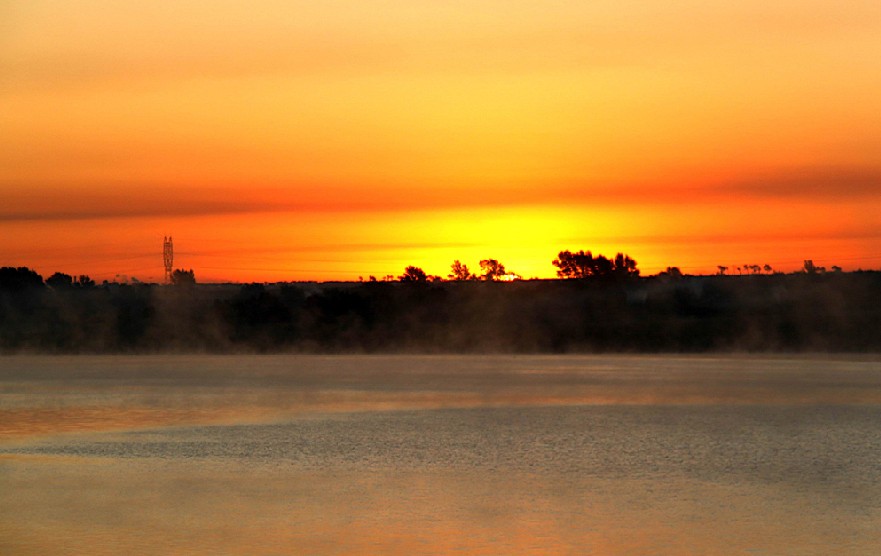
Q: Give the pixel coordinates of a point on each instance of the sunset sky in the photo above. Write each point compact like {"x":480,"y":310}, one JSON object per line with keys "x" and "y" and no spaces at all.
{"x":284,"y":140}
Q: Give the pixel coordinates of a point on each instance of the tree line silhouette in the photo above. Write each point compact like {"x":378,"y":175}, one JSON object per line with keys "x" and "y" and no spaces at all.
{"x":584,"y":265}
{"x":600,"y":304}
{"x":490,"y":270}
{"x":578,"y":265}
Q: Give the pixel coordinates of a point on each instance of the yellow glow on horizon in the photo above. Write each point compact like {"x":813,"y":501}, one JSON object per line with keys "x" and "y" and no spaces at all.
{"x":287,"y":246}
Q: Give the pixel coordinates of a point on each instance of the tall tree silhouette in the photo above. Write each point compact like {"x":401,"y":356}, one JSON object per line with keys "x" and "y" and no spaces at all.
{"x":625,"y":267}
{"x":459,"y":271}
{"x":413,"y":274}
{"x":574,"y":265}
{"x":492,"y":269}
{"x":60,"y":281}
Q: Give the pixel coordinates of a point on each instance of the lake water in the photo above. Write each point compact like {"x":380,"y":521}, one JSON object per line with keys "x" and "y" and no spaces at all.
{"x":439,"y":455}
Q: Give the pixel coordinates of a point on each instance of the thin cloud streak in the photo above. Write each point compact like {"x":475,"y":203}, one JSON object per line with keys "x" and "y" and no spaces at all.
{"x":816,"y":184}
{"x":810,"y":184}
{"x":734,"y":237}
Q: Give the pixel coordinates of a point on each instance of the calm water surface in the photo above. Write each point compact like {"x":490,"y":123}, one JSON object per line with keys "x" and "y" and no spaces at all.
{"x":437,"y":455}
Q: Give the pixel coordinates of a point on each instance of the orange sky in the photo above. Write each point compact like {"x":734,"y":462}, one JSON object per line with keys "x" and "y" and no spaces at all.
{"x":284,"y":140}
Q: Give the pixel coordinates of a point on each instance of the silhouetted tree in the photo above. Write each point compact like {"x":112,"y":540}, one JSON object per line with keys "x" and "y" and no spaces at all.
{"x":722,"y":270}
{"x":671,"y":272}
{"x":625,"y":267}
{"x":584,"y":265}
{"x":492,"y":269}
{"x":413,"y":274}
{"x":459,"y":272}
{"x":85,"y":282}
{"x":60,"y":281}
{"x":17,"y":279}
{"x":602,"y":267}
{"x":574,"y":265}
{"x":185,"y":278}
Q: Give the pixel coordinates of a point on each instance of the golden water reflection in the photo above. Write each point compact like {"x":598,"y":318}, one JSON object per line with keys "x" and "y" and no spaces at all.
{"x":439,"y":455}
{"x":68,"y":508}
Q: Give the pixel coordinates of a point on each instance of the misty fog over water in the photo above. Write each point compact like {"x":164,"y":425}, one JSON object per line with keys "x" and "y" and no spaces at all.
{"x":434,"y":454}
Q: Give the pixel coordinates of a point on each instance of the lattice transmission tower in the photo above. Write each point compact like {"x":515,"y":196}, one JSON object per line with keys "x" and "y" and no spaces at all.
{"x":168,"y":257}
